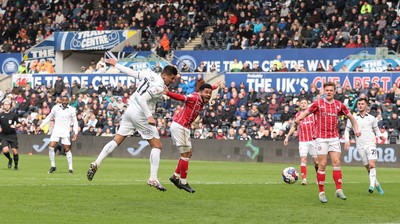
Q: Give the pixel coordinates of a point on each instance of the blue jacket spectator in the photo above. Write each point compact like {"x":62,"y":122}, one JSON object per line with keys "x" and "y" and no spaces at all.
{"x":242,"y":112}
{"x":182,"y":85}
{"x":191,"y":86}
{"x":241,"y":101}
{"x":128,"y":48}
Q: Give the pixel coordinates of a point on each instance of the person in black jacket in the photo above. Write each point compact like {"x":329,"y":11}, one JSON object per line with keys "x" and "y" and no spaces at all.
{"x":8,"y":124}
{"x":101,"y":89}
{"x":59,"y":86}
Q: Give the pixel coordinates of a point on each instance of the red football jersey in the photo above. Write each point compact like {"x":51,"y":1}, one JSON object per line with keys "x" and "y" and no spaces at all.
{"x":327,"y":117}
{"x":193,"y":105}
{"x":306,"y":128}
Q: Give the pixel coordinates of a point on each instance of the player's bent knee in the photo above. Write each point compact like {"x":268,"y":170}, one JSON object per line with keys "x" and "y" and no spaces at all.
{"x":185,"y":150}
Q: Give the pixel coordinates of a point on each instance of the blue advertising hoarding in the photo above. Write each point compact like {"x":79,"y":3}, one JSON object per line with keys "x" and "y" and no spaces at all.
{"x":294,"y":82}
{"x":91,"y":40}
{"x":9,"y":63}
{"x":94,"y":78}
{"x":287,"y":82}
{"x":42,"y":52}
{"x":309,"y":58}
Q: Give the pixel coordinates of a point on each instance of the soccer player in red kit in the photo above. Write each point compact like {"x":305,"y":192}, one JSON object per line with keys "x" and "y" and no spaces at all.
{"x":307,"y":145}
{"x":327,"y":112}
{"x":180,"y":130}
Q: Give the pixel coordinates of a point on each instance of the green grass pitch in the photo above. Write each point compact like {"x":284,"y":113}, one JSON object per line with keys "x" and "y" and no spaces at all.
{"x":225,"y":193}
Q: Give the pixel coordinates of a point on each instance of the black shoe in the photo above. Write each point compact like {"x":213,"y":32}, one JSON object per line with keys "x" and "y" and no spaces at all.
{"x":10,"y":163}
{"x":52,"y":169}
{"x":175,"y":181}
{"x":92,"y":171}
{"x":16,"y":168}
{"x":71,"y":171}
{"x":186,"y":187}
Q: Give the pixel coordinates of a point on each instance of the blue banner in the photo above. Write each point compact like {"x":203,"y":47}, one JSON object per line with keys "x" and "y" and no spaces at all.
{"x":94,"y":78}
{"x":42,"y":52}
{"x":9,"y":63}
{"x":91,"y":40}
{"x":294,"y":82}
{"x":309,"y":58}
{"x":368,"y":65}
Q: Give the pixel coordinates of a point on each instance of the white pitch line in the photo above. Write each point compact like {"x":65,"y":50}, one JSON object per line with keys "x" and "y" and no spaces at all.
{"x":126,"y":182}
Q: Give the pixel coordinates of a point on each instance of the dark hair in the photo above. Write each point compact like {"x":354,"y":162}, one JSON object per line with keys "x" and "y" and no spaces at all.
{"x":170,"y":70}
{"x":205,"y":86}
{"x":303,"y":99}
{"x":362,"y":99}
{"x":329,"y":84}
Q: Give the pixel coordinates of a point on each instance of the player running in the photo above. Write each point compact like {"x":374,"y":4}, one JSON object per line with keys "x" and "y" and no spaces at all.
{"x":306,"y":131}
{"x":180,"y":130}
{"x":8,"y":135}
{"x":365,"y":144}
{"x":64,"y":117}
{"x":139,"y":116}
{"x":327,"y":112}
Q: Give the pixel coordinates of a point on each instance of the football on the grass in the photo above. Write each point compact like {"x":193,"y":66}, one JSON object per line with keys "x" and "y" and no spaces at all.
{"x":290,"y":175}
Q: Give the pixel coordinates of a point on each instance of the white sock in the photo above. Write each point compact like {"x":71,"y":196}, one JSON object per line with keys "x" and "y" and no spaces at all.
{"x":183,"y":181}
{"x":69,"y":159}
{"x":52,"y":155}
{"x":154,"y":162}
{"x":107,"y":149}
{"x":372,"y":177}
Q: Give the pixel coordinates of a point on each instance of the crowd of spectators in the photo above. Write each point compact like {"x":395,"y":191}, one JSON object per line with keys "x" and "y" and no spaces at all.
{"x":302,"y":24}
{"x":24,"y":23}
{"x":234,"y":113}
{"x":229,"y":24}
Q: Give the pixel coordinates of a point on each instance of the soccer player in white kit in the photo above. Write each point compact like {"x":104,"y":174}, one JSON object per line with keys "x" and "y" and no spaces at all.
{"x":307,"y":143}
{"x":327,"y":112}
{"x":64,"y":116}
{"x":366,"y":144}
{"x":139,"y":116}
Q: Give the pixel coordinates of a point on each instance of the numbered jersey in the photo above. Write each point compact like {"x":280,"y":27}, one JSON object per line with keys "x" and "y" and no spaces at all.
{"x":366,"y":124}
{"x":152,"y":84}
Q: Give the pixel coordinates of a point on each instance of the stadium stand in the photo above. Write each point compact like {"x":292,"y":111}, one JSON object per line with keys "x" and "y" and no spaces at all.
{"x":223,"y":24}
{"x":251,"y":24}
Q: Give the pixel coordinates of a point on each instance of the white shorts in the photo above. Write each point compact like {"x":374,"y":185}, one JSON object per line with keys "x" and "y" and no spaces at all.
{"x":367,"y":154}
{"x":134,"y":119}
{"x":64,"y":140}
{"x":181,"y":137}
{"x":325,"y":145}
{"x":308,"y":148}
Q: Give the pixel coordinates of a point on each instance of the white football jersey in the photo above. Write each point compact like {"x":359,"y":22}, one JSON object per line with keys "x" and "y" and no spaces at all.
{"x":151,"y":84}
{"x":63,"y":119}
{"x":367,"y":126}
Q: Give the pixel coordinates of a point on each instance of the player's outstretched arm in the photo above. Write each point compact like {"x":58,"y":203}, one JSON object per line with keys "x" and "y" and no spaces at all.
{"x":376,"y":130}
{"x":347,"y":135}
{"x":75,"y":126}
{"x":292,"y":129}
{"x":122,"y":68}
{"x":216,"y":85}
{"x":46,"y":120}
{"x":354,"y":123}
{"x":303,"y":115}
{"x":145,"y":97}
{"x":176,"y":96}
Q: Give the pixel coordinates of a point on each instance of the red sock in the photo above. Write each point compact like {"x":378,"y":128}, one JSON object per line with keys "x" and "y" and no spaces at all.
{"x":337,"y":177}
{"x":303,"y":172}
{"x":178,"y":167}
{"x":184,"y":165}
{"x":321,"y":180}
